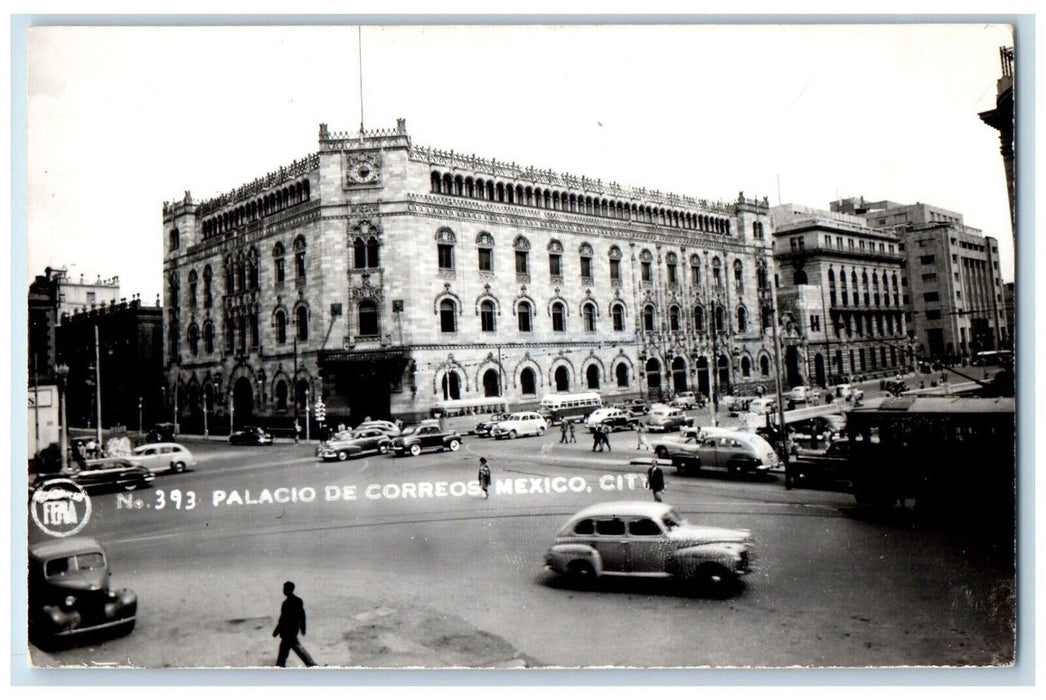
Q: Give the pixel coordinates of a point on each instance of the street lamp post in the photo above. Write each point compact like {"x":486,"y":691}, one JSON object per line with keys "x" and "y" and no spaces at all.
{"x":139,"y":414}
{"x":62,"y":371}
{"x":306,"y":414}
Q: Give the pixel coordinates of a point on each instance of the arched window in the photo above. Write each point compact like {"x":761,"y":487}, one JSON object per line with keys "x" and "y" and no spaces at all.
{"x":277,"y":259}
{"x":717,"y":272}
{"x":367,"y":317}
{"x":586,"y":263}
{"x":451,"y":386}
{"x":622,"y":375}
{"x":588,"y":312}
{"x":673,"y":318}
{"x":359,"y":254}
{"x":617,"y":312}
{"x":174,"y":239}
{"x":671,"y":267}
{"x":648,"y":318}
{"x":281,"y":328}
{"x":528,"y":382}
{"x":208,"y":337}
{"x":699,"y":319}
{"x":522,"y":248}
{"x":738,"y":272}
{"x":559,"y":317}
{"x":252,"y":269}
{"x":764,"y":366}
{"x":448,"y":316}
{"x":194,"y":339}
{"x":646,"y":266}
{"x":524,"y":317}
{"x":280,"y":391}
{"x":800,"y":277}
{"x":615,"y":264}
{"x":742,"y":319}
{"x":695,"y":270}
{"x":491,"y":383}
{"x":372,"y":252}
{"x":303,"y":323}
{"x":486,"y":316}
{"x":208,"y":298}
{"x":562,"y":377}
{"x":299,"y":259}
{"x":192,"y":288}
{"x":746,"y":366}
{"x":592,"y":377}
{"x":720,"y":320}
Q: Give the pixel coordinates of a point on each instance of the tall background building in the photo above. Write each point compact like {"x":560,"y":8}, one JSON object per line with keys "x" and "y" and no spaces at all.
{"x":387,"y":277}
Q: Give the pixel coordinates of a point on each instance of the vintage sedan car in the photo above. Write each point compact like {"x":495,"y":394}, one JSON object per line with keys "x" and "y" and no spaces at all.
{"x":685,"y":400}
{"x":385,"y":426}
{"x":105,"y":474}
{"x":164,"y":456}
{"x":721,"y":448}
{"x":353,"y":444}
{"x":644,"y":538}
{"x":486,"y":426}
{"x":822,"y":466}
{"x":250,"y":435}
{"x":69,"y":592}
{"x":665,"y":418}
{"x":415,"y":440}
{"x":518,"y":424}
{"x":616,"y":418}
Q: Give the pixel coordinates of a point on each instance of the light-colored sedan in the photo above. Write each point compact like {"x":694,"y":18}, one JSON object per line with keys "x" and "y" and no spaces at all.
{"x":164,"y":456}
{"x":644,"y":538}
{"x":518,"y":424}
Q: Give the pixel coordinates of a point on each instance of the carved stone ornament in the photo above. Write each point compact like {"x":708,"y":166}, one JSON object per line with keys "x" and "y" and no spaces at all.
{"x":362,"y":168}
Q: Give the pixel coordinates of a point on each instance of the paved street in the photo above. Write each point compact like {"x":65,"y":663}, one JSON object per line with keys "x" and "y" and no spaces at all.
{"x":399,"y":566}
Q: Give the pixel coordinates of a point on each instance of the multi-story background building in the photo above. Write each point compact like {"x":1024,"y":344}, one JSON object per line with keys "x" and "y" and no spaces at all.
{"x":386,"y":278}
{"x":952,"y":283}
{"x":839,"y":294}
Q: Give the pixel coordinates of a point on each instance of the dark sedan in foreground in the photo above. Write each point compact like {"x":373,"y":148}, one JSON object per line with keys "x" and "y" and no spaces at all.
{"x":106,"y":474}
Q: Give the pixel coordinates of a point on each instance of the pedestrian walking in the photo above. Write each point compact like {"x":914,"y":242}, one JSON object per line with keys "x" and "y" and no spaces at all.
{"x":484,"y":477}
{"x":641,"y":443}
{"x":573,"y":437}
{"x":604,"y":431}
{"x":297,"y":430}
{"x":597,"y":438}
{"x":563,"y":432}
{"x":655,"y":479}
{"x":292,"y":621}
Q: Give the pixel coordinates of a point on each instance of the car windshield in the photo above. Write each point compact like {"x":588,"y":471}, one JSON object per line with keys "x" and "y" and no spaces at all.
{"x":672,"y":520}
{"x":78,"y":562}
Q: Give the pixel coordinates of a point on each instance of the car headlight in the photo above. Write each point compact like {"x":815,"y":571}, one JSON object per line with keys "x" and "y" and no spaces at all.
{"x":70,"y":601}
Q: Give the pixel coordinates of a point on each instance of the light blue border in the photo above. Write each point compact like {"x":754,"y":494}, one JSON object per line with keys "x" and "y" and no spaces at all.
{"x":1023,"y":673}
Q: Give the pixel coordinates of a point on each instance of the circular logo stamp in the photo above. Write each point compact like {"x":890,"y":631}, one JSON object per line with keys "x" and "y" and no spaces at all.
{"x":60,"y":507}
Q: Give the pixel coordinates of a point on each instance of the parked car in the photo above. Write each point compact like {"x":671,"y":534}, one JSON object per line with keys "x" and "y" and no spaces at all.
{"x":848,"y":392}
{"x":69,"y":592}
{"x":105,"y":474}
{"x":720,"y":448}
{"x":161,"y":432}
{"x":250,"y":435}
{"x":348,"y":444}
{"x":685,"y":400}
{"x":829,"y":464}
{"x":485,"y":426}
{"x":638,"y":406}
{"x":519,"y":424}
{"x":385,"y":426}
{"x":164,"y":456}
{"x":798,"y":395}
{"x":616,"y":418}
{"x":896,"y":388}
{"x":644,"y":538}
{"x":414,"y":441}
{"x":665,"y":418}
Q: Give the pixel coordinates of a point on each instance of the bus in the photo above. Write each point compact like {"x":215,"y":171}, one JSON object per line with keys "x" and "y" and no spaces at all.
{"x":462,"y":415}
{"x":571,"y":407}
{"x":994,"y":358}
{"x":953,"y":456}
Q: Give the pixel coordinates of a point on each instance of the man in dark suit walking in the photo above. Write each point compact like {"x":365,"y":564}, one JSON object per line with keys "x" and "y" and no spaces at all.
{"x":292,"y":620}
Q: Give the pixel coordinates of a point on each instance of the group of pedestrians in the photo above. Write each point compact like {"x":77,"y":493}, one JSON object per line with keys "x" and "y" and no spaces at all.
{"x":566,"y":432}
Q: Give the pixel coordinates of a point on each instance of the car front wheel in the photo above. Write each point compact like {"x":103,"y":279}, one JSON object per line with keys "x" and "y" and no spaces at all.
{"x":454,"y":445}
{"x":661,"y":452}
{"x":512,"y":435}
{"x":342,"y":455}
{"x":178,"y":467}
{"x":581,"y":573}
{"x":383,"y":449}
{"x":415,"y":450}
{"x":714,"y":580}
{"x":131,"y":485}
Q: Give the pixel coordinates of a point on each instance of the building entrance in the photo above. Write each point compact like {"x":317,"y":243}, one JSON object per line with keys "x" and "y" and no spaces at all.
{"x":242,"y":401}
{"x":360,"y":386}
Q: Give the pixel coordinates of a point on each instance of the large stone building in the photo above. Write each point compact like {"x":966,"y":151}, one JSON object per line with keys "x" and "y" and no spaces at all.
{"x":952,"y":283}
{"x":386,"y":277}
{"x":1001,"y":119}
{"x":839,"y":293}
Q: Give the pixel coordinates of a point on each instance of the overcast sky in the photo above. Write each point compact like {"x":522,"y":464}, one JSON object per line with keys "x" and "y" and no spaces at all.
{"x":122,"y":119}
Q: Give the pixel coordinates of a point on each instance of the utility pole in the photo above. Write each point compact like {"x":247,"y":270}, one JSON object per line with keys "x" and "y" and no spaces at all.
{"x":232,"y":413}
{"x":36,"y":409}
{"x":306,"y":414}
{"x":205,"y":414}
{"x":98,"y":387}
{"x":777,"y":379}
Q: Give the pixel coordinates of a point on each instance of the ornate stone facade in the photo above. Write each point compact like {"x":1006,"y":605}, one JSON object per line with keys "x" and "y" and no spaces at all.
{"x":387,"y":277}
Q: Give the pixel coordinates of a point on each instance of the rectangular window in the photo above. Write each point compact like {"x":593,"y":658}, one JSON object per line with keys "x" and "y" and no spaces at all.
{"x":815,"y":322}
{"x":672,"y":276}
{"x":615,"y":270}
{"x":927,"y":259}
{"x":586,"y":267}
{"x":446,"y":256}
{"x":933,"y":315}
{"x":555,"y":264}
{"x":645,"y":271}
{"x":486,"y":260}
{"x":931,"y":296}
{"x":521,"y":262}
{"x":930,"y":277}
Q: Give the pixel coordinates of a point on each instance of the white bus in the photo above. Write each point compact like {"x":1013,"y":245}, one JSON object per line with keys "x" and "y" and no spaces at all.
{"x":462,"y":415}
{"x":573,"y":407}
